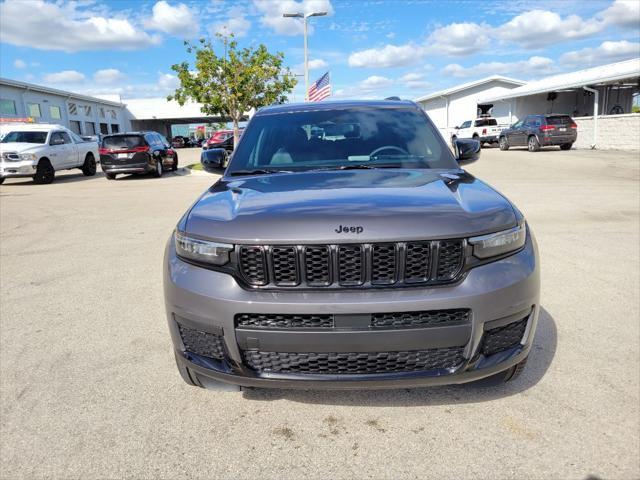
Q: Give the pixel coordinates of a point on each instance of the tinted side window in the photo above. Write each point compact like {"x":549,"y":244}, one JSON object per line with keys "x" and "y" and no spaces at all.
{"x":66,"y":137}
{"x":55,"y":138}
{"x":466,"y":124}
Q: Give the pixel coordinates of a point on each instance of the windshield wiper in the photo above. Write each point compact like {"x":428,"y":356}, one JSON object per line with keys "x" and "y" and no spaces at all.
{"x":361,"y":166}
{"x":259,"y":171}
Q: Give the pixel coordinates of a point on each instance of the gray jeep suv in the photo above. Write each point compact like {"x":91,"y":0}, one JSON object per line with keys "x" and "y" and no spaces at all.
{"x":344,"y":247}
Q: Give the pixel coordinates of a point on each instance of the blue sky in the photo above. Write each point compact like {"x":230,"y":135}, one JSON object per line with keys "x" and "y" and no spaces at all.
{"x":372,"y":48}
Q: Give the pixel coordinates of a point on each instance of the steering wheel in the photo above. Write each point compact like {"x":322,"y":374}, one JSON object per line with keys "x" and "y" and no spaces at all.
{"x":389,"y":147}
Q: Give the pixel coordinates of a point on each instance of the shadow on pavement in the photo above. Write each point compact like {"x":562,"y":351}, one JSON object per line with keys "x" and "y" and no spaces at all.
{"x":540,"y":358}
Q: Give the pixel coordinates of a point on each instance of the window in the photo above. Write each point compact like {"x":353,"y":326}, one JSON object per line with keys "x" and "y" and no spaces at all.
{"x":486,"y":122}
{"x":34,"y":110}
{"x":74,"y":126}
{"x":57,"y":137}
{"x":123,"y":142}
{"x":55,"y":112}
{"x":73,"y":109}
{"x":89,"y":128}
{"x":102,"y":115}
{"x":331,"y":139}
{"x":77,"y":138}
{"x":115,"y":128}
{"x":25,"y":137}
{"x":112,"y":114}
{"x":466,"y":124}
{"x":87,"y":110}
{"x":559,"y":120}
{"x":66,"y":137}
{"x":7,"y":107}
{"x":104,"y":128}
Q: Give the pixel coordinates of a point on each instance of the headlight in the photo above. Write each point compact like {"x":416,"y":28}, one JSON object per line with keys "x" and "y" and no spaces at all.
{"x":499,"y":243}
{"x":202,"y":250}
{"x":28,"y":156}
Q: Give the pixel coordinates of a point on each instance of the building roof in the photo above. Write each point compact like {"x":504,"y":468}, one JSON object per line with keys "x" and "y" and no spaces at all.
{"x":612,"y":72}
{"x":465,"y":86}
{"x":55,"y":91}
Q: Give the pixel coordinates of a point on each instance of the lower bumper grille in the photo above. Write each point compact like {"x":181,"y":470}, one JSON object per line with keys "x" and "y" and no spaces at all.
{"x":502,"y":338}
{"x":354,"y":363}
{"x":202,"y":343}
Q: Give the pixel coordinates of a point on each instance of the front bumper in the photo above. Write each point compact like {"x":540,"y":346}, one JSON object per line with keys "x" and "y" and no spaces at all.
{"x":497,"y":293}
{"x":24,"y":168}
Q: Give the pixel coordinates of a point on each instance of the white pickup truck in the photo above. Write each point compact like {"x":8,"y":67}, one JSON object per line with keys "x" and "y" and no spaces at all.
{"x":485,"y":129}
{"x":39,"y":150}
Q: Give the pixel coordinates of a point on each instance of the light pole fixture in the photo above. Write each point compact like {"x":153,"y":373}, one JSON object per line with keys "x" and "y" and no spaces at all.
{"x":304,"y":17}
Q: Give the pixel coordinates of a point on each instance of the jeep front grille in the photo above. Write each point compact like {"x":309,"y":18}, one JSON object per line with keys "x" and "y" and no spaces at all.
{"x":352,"y":265}
{"x":354,"y":362}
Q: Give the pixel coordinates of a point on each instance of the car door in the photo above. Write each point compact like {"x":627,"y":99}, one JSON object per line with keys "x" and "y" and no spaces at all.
{"x":465,"y":130}
{"x":58,"y":151}
{"x":73,"y":155}
{"x":516,"y":136}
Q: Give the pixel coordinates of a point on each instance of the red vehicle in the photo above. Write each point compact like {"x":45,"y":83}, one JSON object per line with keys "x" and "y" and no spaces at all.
{"x":221,"y":139}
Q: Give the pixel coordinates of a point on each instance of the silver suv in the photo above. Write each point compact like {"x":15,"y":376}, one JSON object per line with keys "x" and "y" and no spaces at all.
{"x":344,"y":247}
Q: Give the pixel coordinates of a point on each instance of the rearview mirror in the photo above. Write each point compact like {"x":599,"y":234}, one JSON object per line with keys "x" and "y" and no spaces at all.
{"x":213,"y":160}
{"x":467,"y":150}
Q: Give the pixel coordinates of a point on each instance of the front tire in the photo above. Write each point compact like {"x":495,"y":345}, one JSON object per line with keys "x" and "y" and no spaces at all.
{"x":566,"y":146}
{"x":159,"y":169}
{"x":89,"y":166}
{"x":532,"y":144}
{"x":504,"y":144}
{"x":44,"y":173}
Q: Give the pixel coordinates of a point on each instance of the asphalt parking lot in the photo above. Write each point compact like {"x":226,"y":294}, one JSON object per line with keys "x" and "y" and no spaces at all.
{"x":89,"y":388}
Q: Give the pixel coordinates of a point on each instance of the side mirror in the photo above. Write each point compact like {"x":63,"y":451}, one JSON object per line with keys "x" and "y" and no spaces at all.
{"x":57,"y":141}
{"x":467,"y":150}
{"x":456,"y":127}
{"x":213,"y":160}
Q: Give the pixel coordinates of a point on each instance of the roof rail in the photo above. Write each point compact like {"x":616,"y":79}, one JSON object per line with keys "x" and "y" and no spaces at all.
{"x":397,"y":99}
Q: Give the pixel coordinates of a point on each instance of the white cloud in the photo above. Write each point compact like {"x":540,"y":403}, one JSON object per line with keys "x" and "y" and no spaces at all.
{"x":315,"y":64}
{"x":537,"y":28}
{"x":622,"y":13}
{"x":236,"y":23}
{"x":459,"y":39}
{"x":178,"y":20}
{"x":19,"y":63}
{"x":414,"y":81}
{"x":272,"y":10}
{"x":108,"y":76}
{"x":606,"y":52}
{"x":370,"y":87}
{"x":390,"y":35}
{"x":375,"y":82}
{"x":64,"y":77}
{"x":58,"y":26}
{"x":167,"y":81}
{"x":533,"y":66}
{"x":387,"y":56}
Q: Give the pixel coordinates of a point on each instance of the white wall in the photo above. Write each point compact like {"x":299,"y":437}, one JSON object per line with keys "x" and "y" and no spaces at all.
{"x":463,"y":106}
{"x":615,"y":132}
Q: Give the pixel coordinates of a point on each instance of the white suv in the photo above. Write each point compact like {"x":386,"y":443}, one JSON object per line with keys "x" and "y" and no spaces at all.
{"x":39,"y":150}
{"x":483,"y":129}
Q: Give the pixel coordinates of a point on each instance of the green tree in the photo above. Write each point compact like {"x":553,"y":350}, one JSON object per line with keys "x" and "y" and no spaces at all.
{"x":234,"y":82}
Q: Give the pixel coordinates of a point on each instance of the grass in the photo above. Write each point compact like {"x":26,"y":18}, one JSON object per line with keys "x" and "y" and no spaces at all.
{"x":195,"y":166}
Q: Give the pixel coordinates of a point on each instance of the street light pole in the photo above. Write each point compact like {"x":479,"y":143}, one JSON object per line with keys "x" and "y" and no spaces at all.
{"x":304,"y":18}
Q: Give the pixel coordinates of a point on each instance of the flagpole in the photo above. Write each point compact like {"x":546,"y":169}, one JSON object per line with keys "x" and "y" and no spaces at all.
{"x":306,"y":63}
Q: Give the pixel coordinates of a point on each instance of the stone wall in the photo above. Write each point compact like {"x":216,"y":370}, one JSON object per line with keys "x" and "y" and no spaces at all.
{"x":615,"y":132}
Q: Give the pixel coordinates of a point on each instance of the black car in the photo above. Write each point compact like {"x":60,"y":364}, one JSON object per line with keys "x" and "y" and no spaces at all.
{"x":136,"y":152}
{"x":537,"y":131}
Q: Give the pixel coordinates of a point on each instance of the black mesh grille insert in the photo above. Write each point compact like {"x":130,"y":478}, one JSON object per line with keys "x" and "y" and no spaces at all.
{"x":449,"y":259}
{"x":383,"y":264}
{"x":202,"y":343}
{"x":317,"y":262}
{"x":285,"y":265}
{"x":418,"y":262}
{"x":420,"y":319}
{"x":252,"y":263}
{"x":350,"y":265}
{"x":502,"y":338}
{"x":259,"y":320}
{"x":354,"y":363}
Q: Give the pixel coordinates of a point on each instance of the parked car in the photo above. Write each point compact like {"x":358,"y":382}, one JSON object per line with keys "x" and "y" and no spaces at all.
{"x":40,"y":150}
{"x":367,"y":258}
{"x":178,"y":141}
{"x":214,"y":158}
{"x":136,"y":152}
{"x":222,"y":139}
{"x":537,"y":131}
{"x":485,"y":129}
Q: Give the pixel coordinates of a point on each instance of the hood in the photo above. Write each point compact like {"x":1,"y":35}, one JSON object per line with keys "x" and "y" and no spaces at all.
{"x":19,"y":147}
{"x":380,"y":205}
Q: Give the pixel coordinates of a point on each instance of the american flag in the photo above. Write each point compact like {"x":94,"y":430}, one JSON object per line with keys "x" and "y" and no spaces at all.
{"x":320,"y":89}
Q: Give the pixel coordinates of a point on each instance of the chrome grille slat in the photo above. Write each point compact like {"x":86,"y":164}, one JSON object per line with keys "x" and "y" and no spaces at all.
{"x":352,"y":265}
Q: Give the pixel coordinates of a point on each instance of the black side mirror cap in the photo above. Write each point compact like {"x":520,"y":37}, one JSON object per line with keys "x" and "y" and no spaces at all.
{"x":467,"y":150}
{"x":213,"y":160}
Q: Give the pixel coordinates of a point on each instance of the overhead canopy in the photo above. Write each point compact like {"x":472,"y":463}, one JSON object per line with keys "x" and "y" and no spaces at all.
{"x":466,"y":86}
{"x":170,"y":111}
{"x":595,"y":76}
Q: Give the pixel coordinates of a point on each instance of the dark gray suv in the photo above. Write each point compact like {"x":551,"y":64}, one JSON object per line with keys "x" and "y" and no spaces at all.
{"x":537,"y":131}
{"x":344,"y":247}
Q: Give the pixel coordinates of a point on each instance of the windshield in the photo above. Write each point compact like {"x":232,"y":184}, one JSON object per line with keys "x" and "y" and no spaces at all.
{"x":25,"y":137}
{"x":365,"y":137}
{"x":123,"y":142}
